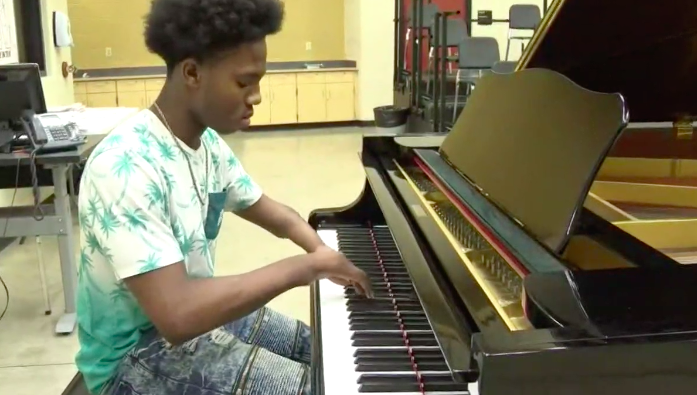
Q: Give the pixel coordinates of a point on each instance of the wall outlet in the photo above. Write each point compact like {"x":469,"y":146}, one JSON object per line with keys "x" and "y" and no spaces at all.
{"x":308,"y":46}
{"x":107,"y":51}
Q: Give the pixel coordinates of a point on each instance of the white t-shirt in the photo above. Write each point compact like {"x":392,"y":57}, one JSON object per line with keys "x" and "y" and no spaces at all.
{"x":139,"y":211}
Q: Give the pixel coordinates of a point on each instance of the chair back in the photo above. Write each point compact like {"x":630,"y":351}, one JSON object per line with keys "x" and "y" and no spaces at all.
{"x":456,"y":28}
{"x":478,"y":53}
{"x":524,"y":16}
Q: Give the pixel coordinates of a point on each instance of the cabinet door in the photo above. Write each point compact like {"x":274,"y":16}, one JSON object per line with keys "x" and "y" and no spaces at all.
{"x":262,"y":111}
{"x":101,"y":99}
{"x":81,"y":98}
{"x":284,"y":104}
{"x":312,"y":103}
{"x":150,"y":97}
{"x":341,"y":105}
{"x":132,"y":99}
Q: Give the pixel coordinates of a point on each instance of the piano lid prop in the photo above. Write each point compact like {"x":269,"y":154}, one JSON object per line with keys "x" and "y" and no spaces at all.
{"x":648,"y":184}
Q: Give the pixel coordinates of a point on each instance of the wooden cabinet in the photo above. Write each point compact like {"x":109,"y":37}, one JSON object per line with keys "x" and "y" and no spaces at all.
{"x":150,"y":97}
{"x":340,"y":102}
{"x":96,"y":93}
{"x":104,"y":99}
{"x":284,"y":103}
{"x":279,"y":98}
{"x":312,"y":103}
{"x":262,"y":111}
{"x":153,"y":87}
{"x":286,"y":97}
{"x":326,"y":97}
{"x":132,"y":99}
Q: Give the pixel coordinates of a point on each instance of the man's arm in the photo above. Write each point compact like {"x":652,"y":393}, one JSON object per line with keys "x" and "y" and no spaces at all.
{"x":245,"y":198}
{"x":282,"y":221}
{"x":182,"y":308}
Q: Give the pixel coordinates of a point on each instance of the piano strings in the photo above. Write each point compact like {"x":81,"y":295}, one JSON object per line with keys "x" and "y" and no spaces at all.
{"x":501,"y":283}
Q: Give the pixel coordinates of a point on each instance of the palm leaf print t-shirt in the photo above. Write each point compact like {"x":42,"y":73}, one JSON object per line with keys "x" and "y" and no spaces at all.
{"x":139,"y":212}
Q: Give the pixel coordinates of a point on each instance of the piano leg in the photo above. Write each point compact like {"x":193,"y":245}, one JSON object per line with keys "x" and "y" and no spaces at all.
{"x":378,"y":346}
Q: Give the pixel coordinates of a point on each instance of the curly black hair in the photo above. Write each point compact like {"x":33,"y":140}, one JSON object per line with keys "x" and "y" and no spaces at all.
{"x":180,"y":29}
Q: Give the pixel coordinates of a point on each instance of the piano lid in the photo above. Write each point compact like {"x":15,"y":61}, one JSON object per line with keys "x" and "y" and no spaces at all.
{"x":532,"y":142}
{"x":647,"y":51}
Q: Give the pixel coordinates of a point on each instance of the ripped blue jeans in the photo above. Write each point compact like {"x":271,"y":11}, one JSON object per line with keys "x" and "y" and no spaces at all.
{"x":265,"y":353}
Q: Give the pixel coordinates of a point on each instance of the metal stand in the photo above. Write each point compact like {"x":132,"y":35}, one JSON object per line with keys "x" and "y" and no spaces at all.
{"x":62,"y":203}
{"x":42,"y":276}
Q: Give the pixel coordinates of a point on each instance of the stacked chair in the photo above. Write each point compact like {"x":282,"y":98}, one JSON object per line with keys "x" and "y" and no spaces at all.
{"x":476,"y":57}
{"x":523,"y":19}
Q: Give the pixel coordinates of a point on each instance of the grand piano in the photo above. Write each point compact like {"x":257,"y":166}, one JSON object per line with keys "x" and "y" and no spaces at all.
{"x":497,"y":268}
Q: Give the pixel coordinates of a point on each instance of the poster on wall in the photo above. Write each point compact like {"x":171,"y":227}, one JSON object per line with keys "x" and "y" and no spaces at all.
{"x":8,"y":33}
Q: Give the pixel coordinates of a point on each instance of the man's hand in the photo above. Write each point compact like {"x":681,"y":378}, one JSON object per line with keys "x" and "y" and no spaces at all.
{"x":337,"y":268}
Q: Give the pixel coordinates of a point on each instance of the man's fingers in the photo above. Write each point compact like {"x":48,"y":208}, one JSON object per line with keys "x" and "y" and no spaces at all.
{"x":340,"y":281}
{"x":362,"y":281}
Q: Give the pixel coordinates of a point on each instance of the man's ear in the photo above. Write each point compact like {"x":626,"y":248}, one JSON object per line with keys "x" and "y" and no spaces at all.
{"x":191,"y":72}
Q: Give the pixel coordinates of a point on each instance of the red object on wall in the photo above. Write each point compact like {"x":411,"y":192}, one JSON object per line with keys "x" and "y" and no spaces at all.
{"x":443,"y":5}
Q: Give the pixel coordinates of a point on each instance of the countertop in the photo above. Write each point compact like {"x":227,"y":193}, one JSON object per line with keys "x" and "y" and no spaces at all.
{"x":130,"y":73}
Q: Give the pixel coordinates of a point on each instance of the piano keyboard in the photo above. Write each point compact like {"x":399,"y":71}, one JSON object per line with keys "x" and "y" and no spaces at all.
{"x":383,"y":345}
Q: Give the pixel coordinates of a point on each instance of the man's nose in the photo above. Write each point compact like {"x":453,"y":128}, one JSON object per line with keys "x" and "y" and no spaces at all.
{"x":254,"y":99}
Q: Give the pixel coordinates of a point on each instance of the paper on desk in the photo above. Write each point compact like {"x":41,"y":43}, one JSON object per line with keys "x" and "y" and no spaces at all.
{"x":97,"y":120}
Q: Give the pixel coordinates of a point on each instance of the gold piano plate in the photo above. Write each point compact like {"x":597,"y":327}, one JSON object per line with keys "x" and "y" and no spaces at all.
{"x":653,"y":199}
{"x":501,"y":283}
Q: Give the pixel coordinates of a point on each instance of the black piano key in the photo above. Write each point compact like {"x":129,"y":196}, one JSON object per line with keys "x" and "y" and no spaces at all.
{"x":386,"y":325}
{"x":420,"y":353}
{"x":380,"y":292}
{"x":398,"y":360}
{"x":392,"y":338}
{"x":382,"y":304}
{"x":409,"y":320}
{"x":406,"y":382}
{"x":381,"y":313}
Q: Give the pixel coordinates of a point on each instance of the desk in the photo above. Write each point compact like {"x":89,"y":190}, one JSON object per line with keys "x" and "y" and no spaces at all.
{"x":58,"y":220}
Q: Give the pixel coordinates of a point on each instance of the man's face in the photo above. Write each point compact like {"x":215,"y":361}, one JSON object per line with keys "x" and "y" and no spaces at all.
{"x":229,"y":88}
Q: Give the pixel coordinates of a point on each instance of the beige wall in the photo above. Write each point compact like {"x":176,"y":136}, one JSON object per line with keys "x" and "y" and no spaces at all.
{"x":58,"y":90}
{"x":118,"y":25}
{"x":369,"y":32}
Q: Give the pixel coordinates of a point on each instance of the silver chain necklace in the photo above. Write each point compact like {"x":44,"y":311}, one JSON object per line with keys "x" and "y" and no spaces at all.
{"x":186,"y":155}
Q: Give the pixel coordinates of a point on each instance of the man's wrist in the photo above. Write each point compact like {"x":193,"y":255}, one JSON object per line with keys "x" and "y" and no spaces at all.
{"x":317,"y":247}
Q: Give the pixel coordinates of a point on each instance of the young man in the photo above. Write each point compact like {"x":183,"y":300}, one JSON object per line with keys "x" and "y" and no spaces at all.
{"x":152,"y":318}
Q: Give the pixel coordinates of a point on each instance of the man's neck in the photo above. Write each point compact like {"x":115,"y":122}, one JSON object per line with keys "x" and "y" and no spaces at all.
{"x":179,"y":119}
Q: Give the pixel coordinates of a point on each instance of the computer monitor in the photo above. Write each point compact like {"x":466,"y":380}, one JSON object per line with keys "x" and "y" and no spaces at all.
{"x":21,"y":93}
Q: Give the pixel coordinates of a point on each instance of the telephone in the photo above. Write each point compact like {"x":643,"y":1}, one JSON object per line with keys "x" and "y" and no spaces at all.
{"x":50,"y":133}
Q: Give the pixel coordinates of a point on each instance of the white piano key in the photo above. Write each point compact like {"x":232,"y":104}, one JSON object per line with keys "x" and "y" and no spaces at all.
{"x":339,"y":372}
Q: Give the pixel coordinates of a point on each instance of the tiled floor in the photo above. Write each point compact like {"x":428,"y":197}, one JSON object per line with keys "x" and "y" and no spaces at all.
{"x":306,"y":170}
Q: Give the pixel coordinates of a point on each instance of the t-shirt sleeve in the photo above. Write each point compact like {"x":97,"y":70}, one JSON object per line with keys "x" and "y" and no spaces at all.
{"x":124,"y":214}
{"x":242,"y":191}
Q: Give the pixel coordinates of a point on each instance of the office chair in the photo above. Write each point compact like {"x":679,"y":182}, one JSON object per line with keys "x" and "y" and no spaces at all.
{"x":522,"y":17}
{"x":476,"y":55}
